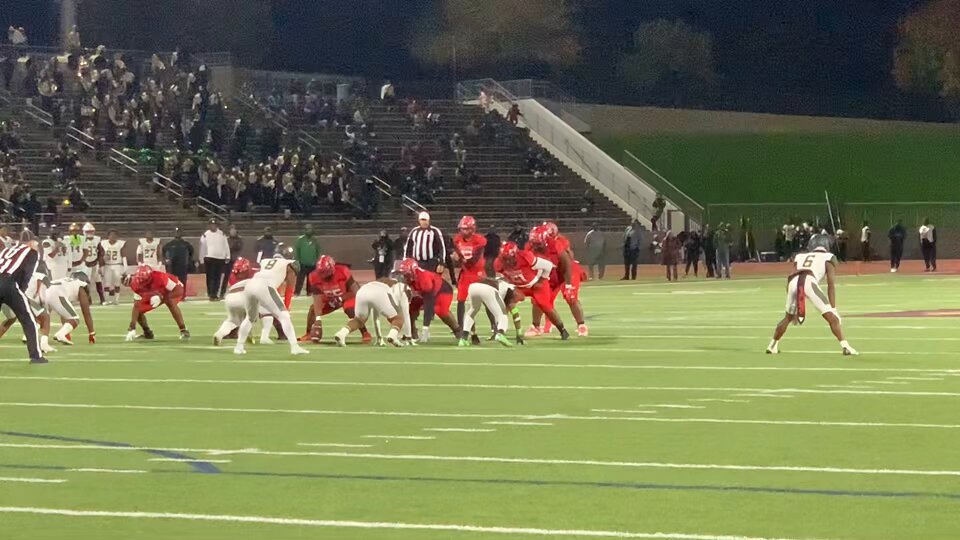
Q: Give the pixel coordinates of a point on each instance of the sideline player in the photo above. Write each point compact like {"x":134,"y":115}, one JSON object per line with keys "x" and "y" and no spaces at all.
{"x":499,"y":298}
{"x":75,"y":252}
{"x":387,"y":297}
{"x":431,"y":293}
{"x":803,"y":283}
{"x":59,"y":299}
{"x":333,"y":288}
{"x":151,"y":289}
{"x":114,"y":266}
{"x":149,"y":250}
{"x":251,"y":297}
{"x":468,"y":254}
{"x":547,"y":242}
{"x":93,"y":258}
{"x":531,"y":275}
{"x":55,"y":254}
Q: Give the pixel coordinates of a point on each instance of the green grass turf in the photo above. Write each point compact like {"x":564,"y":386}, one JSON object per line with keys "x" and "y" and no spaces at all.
{"x":651,"y":344}
{"x":882,"y":167}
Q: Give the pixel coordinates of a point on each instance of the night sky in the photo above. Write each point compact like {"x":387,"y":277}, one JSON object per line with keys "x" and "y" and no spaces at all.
{"x":826,"y":46}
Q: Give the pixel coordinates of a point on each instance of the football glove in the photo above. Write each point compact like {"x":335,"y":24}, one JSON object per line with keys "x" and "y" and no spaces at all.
{"x":155,"y":301}
{"x":92,"y":337}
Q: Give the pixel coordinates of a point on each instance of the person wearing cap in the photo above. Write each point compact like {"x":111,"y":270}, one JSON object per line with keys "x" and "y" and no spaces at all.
{"x":306,"y":251}
{"x":215,"y":252}
{"x":178,"y":257}
{"x":426,"y":245}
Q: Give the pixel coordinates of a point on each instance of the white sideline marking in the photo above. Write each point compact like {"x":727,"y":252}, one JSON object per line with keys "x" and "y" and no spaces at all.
{"x":336,"y":445}
{"x":460,"y":430}
{"x":880,"y":382}
{"x":407,"y":437}
{"x":915,"y":378}
{"x":117,"y":471}
{"x":765,"y":395}
{"x":711,"y":400}
{"x":25,"y":480}
{"x":519,"y":423}
{"x":532,"y":461}
{"x":525,"y":531}
{"x":848,"y":386}
{"x":798,"y":338}
{"x":632,"y":411}
{"x":668,"y":406}
{"x":182,"y":460}
{"x":467,"y":415}
{"x":482,"y":386}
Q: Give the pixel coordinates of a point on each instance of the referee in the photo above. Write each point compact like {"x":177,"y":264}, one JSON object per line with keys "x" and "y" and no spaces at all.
{"x":425,"y":244}
{"x":17,"y":265}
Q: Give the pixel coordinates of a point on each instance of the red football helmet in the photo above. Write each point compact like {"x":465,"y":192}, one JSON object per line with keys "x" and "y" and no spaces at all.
{"x":551,"y":229}
{"x":409,"y":267}
{"x":326,"y":266}
{"x":467,"y":225}
{"x":242,"y":267}
{"x":141,"y":277}
{"x":509,"y":251}
{"x":539,"y":235}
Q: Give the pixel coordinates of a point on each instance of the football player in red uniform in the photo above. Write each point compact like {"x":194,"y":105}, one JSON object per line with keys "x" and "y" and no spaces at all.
{"x":242,"y":269}
{"x":333,"y":288}
{"x":531,"y":275}
{"x":154,"y":288}
{"x":432,"y":294}
{"x":547,"y":242}
{"x":468,"y":255}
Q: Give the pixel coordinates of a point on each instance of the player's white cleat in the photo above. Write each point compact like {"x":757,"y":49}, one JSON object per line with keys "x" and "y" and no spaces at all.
{"x":773,"y":348}
{"x":45,"y":345}
{"x":425,"y":335}
{"x":266,"y":341}
{"x":583,"y":331}
{"x":381,"y":343}
{"x":533,"y":331}
{"x":63,"y":340}
{"x":298,"y":350}
{"x":848,"y":350}
{"x":239,"y":350}
{"x":893,"y":270}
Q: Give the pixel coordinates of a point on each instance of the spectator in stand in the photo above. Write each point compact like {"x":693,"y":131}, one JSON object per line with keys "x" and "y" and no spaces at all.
{"x":215,"y":252}
{"x":514,"y":114}
{"x":596,"y":244}
{"x":435,"y":178}
{"x":632,"y":240}
{"x":382,"y":255}
{"x":459,"y":149}
{"x":471,"y":181}
{"x":306,"y":251}
{"x":73,"y":41}
{"x":266,"y":246}
{"x":486,"y":102}
{"x":519,"y":235}
{"x":659,"y":204}
{"x":236,"y":248}
{"x":17,"y":36}
{"x":586,"y":207}
{"x":388,"y":95}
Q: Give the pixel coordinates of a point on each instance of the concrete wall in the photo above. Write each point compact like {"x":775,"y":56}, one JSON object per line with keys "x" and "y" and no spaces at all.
{"x":615,"y":121}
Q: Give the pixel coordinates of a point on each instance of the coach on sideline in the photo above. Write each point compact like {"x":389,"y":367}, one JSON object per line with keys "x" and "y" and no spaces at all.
{"x":214,"y":252}
{"x":425,"y":244}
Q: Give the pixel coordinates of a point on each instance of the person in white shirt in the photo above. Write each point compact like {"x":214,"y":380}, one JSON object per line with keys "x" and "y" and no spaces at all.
{"x":928,"y":245}
{"x":865,"y":241}
{"x":388,"y":95}
{"x":17,"y":35}
{"x":214,"y":252}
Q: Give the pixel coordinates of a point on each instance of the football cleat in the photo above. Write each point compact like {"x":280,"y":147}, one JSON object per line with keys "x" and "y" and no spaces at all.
{"x":239,"y":350}
{"x":217,"y":341}
{"x":395,"y":342}
{"x":773,"y":350}
{"x":583,"y":331}
{"x":474,"y":339}
{"x":40,"y":360}
{"x":184,"y":335}
{"x":463,"y":343}
{"x":304,"y":339}
{"x":849,"y":351}
{"x":502,"y":339}
{"x":564,"y":335}
{"x":63,"y":340}
{"x":367,"y":338}
{"x":534,"y":331}
{"x":266,"y":341}
{"x":298,"y":351}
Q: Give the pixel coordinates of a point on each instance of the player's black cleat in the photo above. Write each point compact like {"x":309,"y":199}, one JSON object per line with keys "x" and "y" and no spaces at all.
{"x":147,"y":334}
{"x":41,"y":360}
{"x":475,"y":339}
{"x":564,"y":335}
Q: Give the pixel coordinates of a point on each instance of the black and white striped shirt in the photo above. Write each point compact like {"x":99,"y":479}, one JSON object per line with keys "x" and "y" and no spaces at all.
{"x":19,"y":262}
{"x":425,"y":245}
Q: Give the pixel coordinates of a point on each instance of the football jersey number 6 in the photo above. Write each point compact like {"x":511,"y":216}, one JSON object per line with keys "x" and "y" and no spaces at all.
{"x":808,"y":262}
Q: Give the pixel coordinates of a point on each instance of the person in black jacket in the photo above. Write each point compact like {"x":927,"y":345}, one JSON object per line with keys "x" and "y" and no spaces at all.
{"x":178,"y":257}
{"x":897,"y":235}
{"x":382,"y":255}
{"x":692,"y":247}
{"x":519,"y":235}
{"x":709,"y":251}
{"x":492,"y":250}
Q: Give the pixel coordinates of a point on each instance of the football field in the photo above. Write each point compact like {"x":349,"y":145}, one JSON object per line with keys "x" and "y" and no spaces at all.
{"x":669,"y":421}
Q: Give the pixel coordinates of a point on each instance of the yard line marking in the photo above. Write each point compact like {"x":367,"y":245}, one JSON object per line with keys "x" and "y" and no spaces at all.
{"x":764,"y":395}
{"x":336,"y":445}
{"x":480,"y":386}
{"x":182,"y":460}
{"x":408,"y":437}
{"x":847,"y":386}
{"x":710,"y":400}
{"x":880,"y":382}
{"x":519,"y":423}
{"x":523,"y":531}
{"x":798,"y":338}
{"x":460,"y":430}
{"x":632,"y":411}
{"x":915,"y":378}
{"x":668,"y":406}
{"x":116,"y":471}
{"x":24,"y":480}
{"x":412,"y":414}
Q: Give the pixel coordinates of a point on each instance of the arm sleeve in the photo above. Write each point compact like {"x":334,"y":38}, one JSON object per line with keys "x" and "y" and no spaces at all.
{"x":29,"y":268}
{"x":226,"y":248}
{"x":442,"y":252}
{"x":406,"y":246}
{"x":203,"y":247}
{"x":170,"y":285}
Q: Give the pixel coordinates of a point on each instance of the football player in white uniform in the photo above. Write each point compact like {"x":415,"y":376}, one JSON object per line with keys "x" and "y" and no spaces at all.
{"x":804,"y":284}
{"x":149,"y":250}
{"x":387,"y":297}
{"x":497,"y":297}
{"x":247,"y":299}
{"x":114,"y":266}
{"x":35,"y":294}
{"x":93,"y":258}
{"x":60,"y":298}
{"x":56,"y":255}
{"x":75,"y":253}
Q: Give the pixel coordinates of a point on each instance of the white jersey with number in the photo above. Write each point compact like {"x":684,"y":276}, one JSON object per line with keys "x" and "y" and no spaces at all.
{"x":75,"y":249}
{"x":149,"y":251}
{"x":273,"y":271}
{"x":112,"y":253}
{"x":62,"y":294}
{"x":91,"y":250}
{"x":56,"y":257}
{"x":815,"y":262}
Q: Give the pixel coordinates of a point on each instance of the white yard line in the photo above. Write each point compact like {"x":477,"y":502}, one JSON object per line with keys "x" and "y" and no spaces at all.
{"x":335,"y":445}
{"x":183,"y":460}
{"x":477,"y":386}
{"x":481,"y":416}
{"x":340,"y":524}
{"x":402,"y":437}
{"x":631,"y":411}
{"x":764,"y":395}
{"x":915,"y":378}
{"x":24,"y":480}
{"x":714,"y":400}
{"x":880,"y":382}
{"x":502,"y":423}
{"x":669,"y":406}
{"x":844,"y":386}
{"x":460,"y":430}
{"x":109,"y":471}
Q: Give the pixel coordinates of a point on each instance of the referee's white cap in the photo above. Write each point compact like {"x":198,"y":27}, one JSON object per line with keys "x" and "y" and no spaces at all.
{"x":423,"y":215}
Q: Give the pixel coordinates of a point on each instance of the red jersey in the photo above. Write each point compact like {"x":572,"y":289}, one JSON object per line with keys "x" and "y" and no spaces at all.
{"x":527,"y":270}
{"x":160,"y":283}
{"x":471,"y":251}
{"x":334,"y":290}
{"x":235,"y":277}
{"x":427,"y":282}
{"x":553,"y":249}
